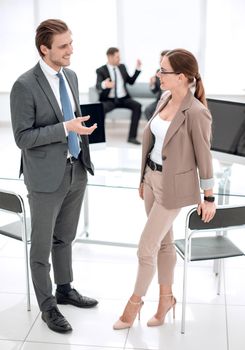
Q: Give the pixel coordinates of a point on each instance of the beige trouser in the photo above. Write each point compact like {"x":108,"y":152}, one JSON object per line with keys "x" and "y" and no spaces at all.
{"x":156,"y":246}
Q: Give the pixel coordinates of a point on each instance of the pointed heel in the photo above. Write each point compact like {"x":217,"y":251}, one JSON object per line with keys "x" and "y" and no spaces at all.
{"x":123,"y":325}
{"x":154,"y":321}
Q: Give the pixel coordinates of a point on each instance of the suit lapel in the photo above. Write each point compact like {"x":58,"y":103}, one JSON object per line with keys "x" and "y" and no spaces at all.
{"x":148,"y":136}
{"x":78,"y":113}
{"x":179,"y":117}
{"x":106,"y":71}
{"x":121,"y":69}
{"x":174,"y":126}
{"x":71,"y":85}
{"x":42,"y":81}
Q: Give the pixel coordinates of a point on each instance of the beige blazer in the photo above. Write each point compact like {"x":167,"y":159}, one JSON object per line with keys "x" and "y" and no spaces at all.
{"x":187,"y":160}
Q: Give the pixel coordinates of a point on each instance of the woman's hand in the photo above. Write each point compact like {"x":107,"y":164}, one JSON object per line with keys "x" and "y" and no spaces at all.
{"x":206,"y":210}
{"x":141,"y":191}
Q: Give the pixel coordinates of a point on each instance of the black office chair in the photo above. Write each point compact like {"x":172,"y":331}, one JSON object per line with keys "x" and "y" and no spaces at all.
{"x":218,"y":246}
{"x":12,"y":203}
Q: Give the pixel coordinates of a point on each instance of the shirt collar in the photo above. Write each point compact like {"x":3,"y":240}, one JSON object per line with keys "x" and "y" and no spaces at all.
{"x":47,"y":69}
{"x":111,"y":66}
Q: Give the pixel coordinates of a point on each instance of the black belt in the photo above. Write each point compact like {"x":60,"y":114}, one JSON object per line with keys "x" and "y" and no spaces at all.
{"x":154,"y":166}
{"x":71,"y":160}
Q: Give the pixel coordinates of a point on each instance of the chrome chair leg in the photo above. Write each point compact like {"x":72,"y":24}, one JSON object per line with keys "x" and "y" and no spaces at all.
{"x":220,"y":264}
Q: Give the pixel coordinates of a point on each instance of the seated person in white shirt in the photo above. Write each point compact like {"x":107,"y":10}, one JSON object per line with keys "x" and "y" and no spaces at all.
{"x":111,"y":85}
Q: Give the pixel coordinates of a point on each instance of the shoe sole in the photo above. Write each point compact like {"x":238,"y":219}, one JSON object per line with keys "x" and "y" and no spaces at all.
{"x":74,"y":304}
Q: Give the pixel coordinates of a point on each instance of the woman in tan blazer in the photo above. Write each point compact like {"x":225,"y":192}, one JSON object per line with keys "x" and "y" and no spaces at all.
{"x":176,"y":163}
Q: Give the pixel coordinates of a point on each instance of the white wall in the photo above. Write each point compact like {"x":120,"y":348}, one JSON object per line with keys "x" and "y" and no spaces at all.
{"x":225,"y":48}
{"x":91,"y":35}
{"x":212,"y":29}
{"x":148,"y":27}
{"x":17,"y":50}
{"x":93,"y":24}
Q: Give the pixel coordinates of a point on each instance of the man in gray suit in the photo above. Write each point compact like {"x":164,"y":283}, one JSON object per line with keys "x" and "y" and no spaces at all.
{"x":50,"y":131}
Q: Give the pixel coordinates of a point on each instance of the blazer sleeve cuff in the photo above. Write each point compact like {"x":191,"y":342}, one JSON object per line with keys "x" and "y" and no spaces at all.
{"x":207,"y":184}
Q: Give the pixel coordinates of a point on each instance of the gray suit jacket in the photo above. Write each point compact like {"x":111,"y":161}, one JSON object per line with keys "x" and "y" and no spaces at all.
{"x":37,"y":123}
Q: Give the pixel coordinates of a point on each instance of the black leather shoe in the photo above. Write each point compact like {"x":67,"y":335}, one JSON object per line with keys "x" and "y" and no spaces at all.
{"x":76,"y":299}
{"x":134,"y":141}
{"x":56,"y":321}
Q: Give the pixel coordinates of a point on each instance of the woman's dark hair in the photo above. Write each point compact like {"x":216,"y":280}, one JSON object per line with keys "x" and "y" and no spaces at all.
{"x":164,"y":52}
{"x":46,"y":30}
{"x":183,"y":61}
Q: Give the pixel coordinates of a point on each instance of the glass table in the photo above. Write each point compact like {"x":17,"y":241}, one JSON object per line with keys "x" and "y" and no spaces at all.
{"x":113,"y":213}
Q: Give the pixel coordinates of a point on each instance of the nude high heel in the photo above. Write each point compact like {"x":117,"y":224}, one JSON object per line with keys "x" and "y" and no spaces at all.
{"x":123,"y":325}
{"x":153,"y":322}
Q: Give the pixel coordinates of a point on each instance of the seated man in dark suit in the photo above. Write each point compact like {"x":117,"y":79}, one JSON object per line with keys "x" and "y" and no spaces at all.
{"x":111,"y":84}
{"x":156,"y":89}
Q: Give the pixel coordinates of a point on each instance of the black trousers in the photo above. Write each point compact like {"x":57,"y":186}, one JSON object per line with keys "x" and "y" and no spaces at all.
{"x":128,"y":103}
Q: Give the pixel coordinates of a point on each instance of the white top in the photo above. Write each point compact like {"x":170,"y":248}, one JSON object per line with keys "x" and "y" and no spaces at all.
{"x":159,"y":128}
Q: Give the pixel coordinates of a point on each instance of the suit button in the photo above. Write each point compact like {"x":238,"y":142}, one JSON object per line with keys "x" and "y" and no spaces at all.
{"x":164,"y":157}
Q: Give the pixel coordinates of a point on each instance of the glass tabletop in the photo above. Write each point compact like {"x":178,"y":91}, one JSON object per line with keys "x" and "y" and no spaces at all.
{"x":113,"y":213}
{"x":229,"y":179}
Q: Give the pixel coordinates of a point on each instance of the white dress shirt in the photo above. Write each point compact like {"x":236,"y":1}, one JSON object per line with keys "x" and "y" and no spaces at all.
{"x":53,"y":80}
{"x":121,"y":92}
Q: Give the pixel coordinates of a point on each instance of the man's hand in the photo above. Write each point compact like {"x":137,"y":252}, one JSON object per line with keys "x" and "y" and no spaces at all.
{"x":77,"y":126}
{"x":138,"y":64}
{"x":108,"y":83}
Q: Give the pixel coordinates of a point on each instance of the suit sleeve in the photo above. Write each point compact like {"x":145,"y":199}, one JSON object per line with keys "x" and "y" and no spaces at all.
{"x":201,"y":136}
{"x":23,"y":116}
{"x":130,"y":79}
{"x":100,"y":78}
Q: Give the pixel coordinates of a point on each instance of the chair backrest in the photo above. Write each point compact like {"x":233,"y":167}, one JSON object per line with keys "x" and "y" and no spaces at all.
{"x":11,"y":202}
{"x":226,"y":216}
{"x":137,"y":90}
{"x":140,"y":89}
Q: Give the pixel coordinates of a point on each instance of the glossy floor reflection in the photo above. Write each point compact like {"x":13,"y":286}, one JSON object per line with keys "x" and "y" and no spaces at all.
{"x":108,"y":272}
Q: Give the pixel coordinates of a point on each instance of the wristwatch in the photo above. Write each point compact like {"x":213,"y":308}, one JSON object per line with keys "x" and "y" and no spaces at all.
{"x":210,"y":199}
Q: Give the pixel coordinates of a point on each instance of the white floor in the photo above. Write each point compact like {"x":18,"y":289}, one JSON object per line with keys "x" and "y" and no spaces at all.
{"x":107,"y":273}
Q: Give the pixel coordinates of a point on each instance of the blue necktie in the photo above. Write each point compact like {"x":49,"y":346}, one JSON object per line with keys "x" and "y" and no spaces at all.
{"x":68,"y":115}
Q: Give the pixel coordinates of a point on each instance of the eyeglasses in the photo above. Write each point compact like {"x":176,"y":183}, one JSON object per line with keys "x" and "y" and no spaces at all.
{"x":163,"y":71}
